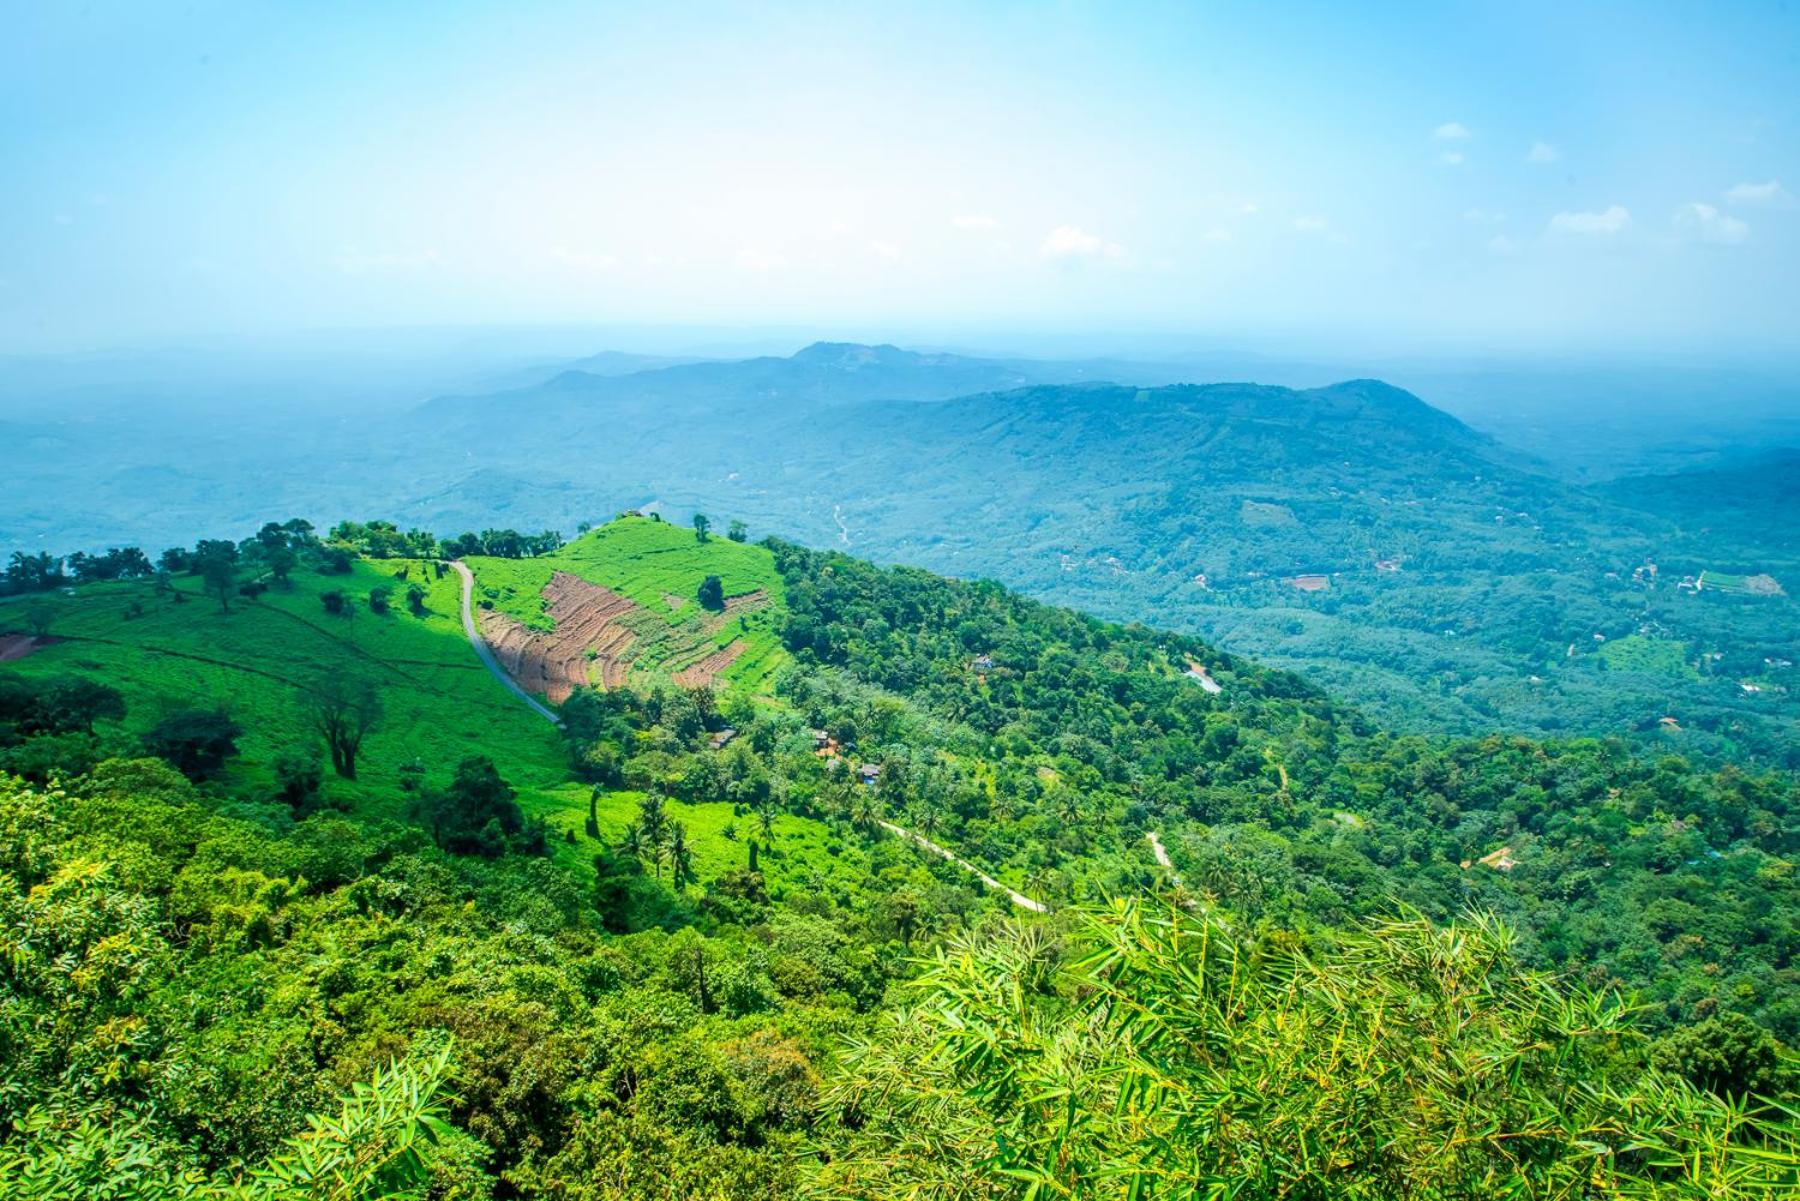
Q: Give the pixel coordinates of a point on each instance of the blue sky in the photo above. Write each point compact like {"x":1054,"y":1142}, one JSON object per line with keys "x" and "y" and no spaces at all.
{"x":1481,"y":177}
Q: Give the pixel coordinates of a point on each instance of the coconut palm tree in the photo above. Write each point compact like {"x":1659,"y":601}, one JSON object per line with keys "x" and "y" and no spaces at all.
{"x":680,"y":855}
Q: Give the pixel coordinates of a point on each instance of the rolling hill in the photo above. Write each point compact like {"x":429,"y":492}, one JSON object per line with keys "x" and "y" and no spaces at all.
{"x":688,"y":929}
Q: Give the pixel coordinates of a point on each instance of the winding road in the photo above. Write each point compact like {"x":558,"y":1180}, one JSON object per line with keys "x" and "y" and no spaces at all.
{"x":487,"y":657}
{"x":486,"y":653}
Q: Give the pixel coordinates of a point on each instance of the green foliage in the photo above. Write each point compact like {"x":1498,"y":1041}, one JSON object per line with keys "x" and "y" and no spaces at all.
{"x":1176,"y":1058}
{"x":197,"y":742}
{"x":712,"y":594}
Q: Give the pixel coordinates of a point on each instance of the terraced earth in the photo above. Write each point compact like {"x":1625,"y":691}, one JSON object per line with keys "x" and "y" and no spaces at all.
{"x":619,"y":606}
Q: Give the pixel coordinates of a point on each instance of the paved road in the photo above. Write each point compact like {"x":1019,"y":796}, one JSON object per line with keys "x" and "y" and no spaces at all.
{"x":487,"y":655}
{"x":1018,"y":898}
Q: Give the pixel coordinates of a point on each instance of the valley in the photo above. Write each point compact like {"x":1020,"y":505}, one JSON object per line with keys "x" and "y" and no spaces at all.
{"x":1458,"y":574}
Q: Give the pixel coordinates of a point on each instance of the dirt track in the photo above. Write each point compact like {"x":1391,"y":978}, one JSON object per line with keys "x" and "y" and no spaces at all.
{"x":17,"y":646}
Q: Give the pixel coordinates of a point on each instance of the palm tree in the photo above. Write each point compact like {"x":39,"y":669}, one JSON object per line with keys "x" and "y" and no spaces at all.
{"x":925,"y":818}
{"x":633,"y":842}
{"x":680,"y":855}
{"x":865,"y":810}
{"x":765,"y":819}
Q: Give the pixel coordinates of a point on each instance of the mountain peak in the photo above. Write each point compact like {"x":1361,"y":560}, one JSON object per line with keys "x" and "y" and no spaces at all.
{"x":854,"y":356}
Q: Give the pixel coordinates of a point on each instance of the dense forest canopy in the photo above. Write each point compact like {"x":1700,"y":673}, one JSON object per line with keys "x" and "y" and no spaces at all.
{"x":929,"y":890}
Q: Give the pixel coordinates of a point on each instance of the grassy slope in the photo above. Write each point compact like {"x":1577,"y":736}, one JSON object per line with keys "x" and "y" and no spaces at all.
{"x":440,"y":703}
{"x":650,"y":561}
{"x":256,"y":660}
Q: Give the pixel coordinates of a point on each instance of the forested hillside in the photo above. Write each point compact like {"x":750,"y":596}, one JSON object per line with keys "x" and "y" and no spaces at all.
{"x":830,"y":879}
{"x":1355,"y":533}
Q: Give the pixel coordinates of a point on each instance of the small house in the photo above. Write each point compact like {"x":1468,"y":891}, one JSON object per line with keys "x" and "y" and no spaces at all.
{"x":720,"y":740}
{"x":1311,"y":583}
{"x":983,"y":663}
{"x":869,"y":773}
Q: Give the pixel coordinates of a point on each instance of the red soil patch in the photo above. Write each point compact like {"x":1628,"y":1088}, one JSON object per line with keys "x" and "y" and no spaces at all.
{"x":703,"y":673}
{"x":16,"y":646}
{"x":588,"y":618}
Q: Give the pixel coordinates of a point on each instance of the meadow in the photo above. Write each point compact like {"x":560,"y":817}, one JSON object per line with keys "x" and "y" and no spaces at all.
{"x":259,"y":660}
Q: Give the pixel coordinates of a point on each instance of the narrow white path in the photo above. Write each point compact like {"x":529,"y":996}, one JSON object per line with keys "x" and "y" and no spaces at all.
{"x":486,"y":653}
{"x":1162,"y":854}
{"x":1018,"y":898}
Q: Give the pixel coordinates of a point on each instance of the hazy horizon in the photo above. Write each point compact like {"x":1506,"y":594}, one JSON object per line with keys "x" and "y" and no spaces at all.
{"x":1505,"y":180}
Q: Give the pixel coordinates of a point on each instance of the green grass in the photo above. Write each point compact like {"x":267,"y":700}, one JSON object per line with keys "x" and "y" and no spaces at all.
{"x":1722,"y":581}
{"x":660,"y":567}
{"x":258,"y":660}
{"x":1647,"y":655}
{"x":439,"y":703}
{"x":804,"y":854}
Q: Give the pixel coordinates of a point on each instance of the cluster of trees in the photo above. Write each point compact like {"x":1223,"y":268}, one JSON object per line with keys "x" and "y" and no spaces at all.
{"x":502,"y":544}
{"x":44,"y":572}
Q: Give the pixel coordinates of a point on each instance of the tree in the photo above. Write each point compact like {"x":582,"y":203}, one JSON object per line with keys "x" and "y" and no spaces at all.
{"x":298,"y":780}
{"x":215,"y":561}
{"x":737,"y":531}
{"x":477,"y":814}
{"x":334,"y":601}
{"x":343,"y":713}
{"x":415,"y":599}
{"x":712,"y":594}
{"x":196,"y":742}
{"x":680,"y":855}
{"x":381,"y":598}
{"x":76,"y":703}
{"x":276,"y":545}
{"x":702,"y":524}
{"x":1729,"y":1055}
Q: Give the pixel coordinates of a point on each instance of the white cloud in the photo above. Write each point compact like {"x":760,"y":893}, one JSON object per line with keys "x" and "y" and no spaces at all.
{"x":1707,"y":223}
{"x":1542,"y":152}
{"x":1450,"y":131}
{"x":1311,"y":225}
{"x":1451,"y":158}
{"x":1067,"y":242}
{"x":885,"y":250}
{"x":1248,"y":208}
{"x":1484,"y":216}
{"x":1501,"y":244}
{"x":1771,"y":194}
{"x":1217,"y":233}
{"x":1607,"y":223}
{"x":974,"y":221}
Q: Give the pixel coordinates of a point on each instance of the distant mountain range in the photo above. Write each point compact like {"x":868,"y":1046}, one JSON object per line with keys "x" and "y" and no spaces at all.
{"x":1354,"y":532}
